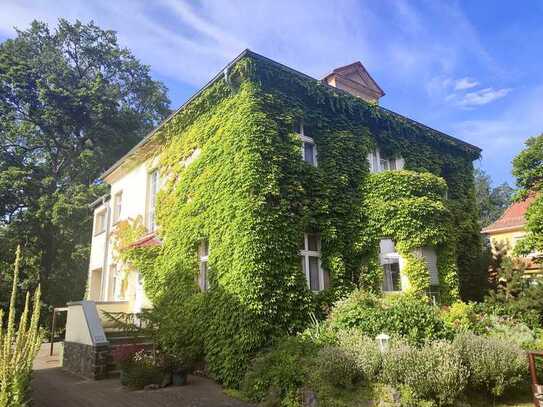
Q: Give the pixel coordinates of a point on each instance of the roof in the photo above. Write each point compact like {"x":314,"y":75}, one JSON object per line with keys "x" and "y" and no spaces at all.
{"x":512,"y":218}
{"x":224,"y":72}
{"x":148,"y":240}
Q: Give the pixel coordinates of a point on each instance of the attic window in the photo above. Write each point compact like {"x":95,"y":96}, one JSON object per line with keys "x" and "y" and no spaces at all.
{"x":309,"y":148}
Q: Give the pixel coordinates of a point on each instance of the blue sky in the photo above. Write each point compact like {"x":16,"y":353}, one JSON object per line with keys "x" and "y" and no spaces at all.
{"x":473,"y":69}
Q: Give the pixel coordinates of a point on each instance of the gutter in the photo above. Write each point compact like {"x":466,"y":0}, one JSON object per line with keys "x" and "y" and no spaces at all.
{"x":224,"y":74}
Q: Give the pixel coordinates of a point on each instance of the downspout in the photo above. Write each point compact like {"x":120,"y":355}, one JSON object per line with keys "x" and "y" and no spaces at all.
{"x":105,"y":273}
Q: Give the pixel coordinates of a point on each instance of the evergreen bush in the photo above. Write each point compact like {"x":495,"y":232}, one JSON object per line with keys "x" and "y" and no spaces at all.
{"x":283,"y":369}
{"x":363,"y":350}
{"x":434,"y":372}
{"x":494,"y":364}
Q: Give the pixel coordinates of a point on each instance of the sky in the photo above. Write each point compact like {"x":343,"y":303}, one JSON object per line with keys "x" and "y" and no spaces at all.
{"x":472,"y":69}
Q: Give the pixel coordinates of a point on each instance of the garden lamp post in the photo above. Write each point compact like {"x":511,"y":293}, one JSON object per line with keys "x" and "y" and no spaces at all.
{"x":383,"y":342}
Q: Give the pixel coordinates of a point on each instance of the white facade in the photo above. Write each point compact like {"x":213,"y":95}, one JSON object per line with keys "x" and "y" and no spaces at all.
{"x":110,"y":280}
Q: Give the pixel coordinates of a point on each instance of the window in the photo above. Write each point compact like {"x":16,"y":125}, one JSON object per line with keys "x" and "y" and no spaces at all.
{"x":390,"y":261}
{"x":117,"y":206}
{"x":151,"y":200}
{"x":203,"y":254}
{"x":117,"y":282}
{"x":310,"y":251}
{"x":100,"y":222}
{"x":392,"y":279}
{"x":309,"y":149}
{"x":380,"y":163}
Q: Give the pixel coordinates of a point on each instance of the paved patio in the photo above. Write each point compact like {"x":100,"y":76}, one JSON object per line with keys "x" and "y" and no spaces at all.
{"x":54,"y":387}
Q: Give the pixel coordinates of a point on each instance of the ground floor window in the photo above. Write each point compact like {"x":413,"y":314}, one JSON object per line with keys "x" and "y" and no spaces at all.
{"x":390,"y":261}
{"x":392,"y":279}
{"x":310,"y":252}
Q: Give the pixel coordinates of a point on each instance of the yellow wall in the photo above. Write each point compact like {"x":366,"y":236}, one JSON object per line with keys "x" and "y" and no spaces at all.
{"x":510,"y":237}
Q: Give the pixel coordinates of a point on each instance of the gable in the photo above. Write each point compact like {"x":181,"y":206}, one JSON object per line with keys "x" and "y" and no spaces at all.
{"x":355,"y":79}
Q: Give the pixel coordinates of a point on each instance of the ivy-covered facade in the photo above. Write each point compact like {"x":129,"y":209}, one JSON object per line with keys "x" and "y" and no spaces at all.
{"x":273,"y":206}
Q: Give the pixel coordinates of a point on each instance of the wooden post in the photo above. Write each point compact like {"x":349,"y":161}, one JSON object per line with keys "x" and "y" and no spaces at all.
{"x":53,"y":332}
{"x":533,"y":376}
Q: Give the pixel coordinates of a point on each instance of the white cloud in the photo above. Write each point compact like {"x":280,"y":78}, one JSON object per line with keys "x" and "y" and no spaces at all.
{"x":465,"y":83}
{"x":483,"y":96}
{"x":502,"y":137}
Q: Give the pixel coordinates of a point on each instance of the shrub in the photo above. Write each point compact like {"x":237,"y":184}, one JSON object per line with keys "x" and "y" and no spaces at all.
{"x":363,"y":350}
{"x":511,"y":330}
{"x":426,"y":372}
{"x":356,"y":310}
{"x":140,"y":370}
{"x":281,"y":369}
{"x":408,"y":316}
{"x":461,"y":317}
{"x":494,"y":364}
{"x":335,"y":367}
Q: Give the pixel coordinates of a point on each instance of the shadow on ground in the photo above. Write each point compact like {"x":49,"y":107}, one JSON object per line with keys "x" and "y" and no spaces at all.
{"x":54,"y":387}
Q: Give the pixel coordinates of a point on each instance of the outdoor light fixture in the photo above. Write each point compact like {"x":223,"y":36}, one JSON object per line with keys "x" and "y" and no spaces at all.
{"x":383,"y":342}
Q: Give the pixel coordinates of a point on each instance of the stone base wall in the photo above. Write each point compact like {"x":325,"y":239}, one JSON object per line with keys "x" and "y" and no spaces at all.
{"x":86,"y":360}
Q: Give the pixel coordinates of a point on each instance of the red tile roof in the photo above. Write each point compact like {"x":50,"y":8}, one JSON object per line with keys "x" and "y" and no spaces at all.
{"x":148,"y":240}
{"x":513,"y":217}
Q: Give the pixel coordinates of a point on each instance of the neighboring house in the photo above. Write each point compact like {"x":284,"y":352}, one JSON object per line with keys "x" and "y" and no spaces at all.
{"x":509,"y":229}
{"x":136,"y":179}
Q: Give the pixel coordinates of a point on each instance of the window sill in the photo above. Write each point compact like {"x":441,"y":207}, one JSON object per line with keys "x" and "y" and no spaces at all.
{"x":99,"y":233}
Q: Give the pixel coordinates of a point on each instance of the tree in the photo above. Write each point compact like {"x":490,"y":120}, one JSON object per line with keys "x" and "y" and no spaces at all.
{"x":72,"y":102}
{"x":528,"y":169}
{"x":491,"y":201}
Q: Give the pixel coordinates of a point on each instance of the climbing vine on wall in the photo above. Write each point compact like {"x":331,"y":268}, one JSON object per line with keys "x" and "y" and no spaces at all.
{"x":251,"y":196}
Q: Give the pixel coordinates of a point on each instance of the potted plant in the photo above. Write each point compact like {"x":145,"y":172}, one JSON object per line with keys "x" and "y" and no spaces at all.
{"x":123,"y":357}
{"x":179,"y":365}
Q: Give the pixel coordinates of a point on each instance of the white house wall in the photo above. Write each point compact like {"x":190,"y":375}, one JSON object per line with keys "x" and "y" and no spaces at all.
{"x":133,"y":185}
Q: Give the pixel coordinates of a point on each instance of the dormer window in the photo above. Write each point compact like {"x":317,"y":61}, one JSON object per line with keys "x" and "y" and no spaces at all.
{"x":309,"y":148}
{"x":379,"y":162}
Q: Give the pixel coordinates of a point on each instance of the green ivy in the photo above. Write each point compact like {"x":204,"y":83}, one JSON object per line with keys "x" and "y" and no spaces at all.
{"x":249,"y":194}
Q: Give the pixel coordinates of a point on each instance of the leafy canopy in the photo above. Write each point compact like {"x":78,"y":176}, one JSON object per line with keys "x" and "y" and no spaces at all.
{"x":72,"y":101}
{"x":528,"y":169}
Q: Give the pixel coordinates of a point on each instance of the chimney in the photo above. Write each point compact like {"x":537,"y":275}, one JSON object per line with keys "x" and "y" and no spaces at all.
{"x":356,"y":80}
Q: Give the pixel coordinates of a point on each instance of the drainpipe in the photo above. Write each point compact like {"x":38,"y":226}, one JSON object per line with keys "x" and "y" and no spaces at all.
{"x":105,"y":270}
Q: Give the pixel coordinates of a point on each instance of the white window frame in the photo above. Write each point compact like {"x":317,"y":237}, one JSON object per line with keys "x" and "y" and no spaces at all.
{"x":100,"y":220}
{"x":305,"y":254}
{"x":203,"y":265}
{"x":308,"y":140}
{"x":379,"y":163}
{"x":117,"y":206}
{"x":153,"y":186}
{"x":390,"y":258}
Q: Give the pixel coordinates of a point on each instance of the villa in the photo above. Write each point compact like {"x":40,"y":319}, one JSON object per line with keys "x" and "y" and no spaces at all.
{"x":325,"y":181}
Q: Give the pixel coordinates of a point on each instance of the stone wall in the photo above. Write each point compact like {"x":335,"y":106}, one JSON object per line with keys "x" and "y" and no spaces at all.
{"x":86,"y":360}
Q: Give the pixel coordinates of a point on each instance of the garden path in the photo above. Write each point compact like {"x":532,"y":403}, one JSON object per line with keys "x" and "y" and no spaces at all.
{"x":54,"y":387}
